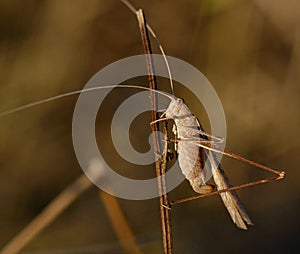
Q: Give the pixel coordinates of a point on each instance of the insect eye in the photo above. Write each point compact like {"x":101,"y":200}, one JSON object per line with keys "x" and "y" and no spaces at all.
{"x":179,"y":100}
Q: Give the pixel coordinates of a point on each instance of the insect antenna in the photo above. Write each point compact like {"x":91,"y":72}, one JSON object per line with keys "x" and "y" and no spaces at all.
{"x":85,"y":90}
{"x":151,"y":31}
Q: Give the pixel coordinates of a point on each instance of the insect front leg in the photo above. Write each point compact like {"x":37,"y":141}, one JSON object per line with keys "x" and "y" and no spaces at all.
{"x":160,"y":120}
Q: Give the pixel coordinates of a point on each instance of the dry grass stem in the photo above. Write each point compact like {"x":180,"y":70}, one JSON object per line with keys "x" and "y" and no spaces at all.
{"x":48,"y":215}
{"x":160,"y":162}
{"x":120,"y":224}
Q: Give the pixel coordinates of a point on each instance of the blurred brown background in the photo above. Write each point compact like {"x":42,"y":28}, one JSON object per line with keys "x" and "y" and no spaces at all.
{"x":250,"y":52}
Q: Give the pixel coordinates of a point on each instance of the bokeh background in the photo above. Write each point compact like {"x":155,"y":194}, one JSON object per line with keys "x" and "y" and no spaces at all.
{"x":249,"y":50}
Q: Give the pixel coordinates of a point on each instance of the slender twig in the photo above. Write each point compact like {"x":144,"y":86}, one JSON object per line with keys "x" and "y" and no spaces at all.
{"x":120,"y":224}
{"x":160,"y":162}
{"x":54,"y":209}
{"x":63,"y":201}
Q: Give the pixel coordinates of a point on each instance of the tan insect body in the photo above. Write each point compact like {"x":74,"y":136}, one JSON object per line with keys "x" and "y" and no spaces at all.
{"x":192,"y":158}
